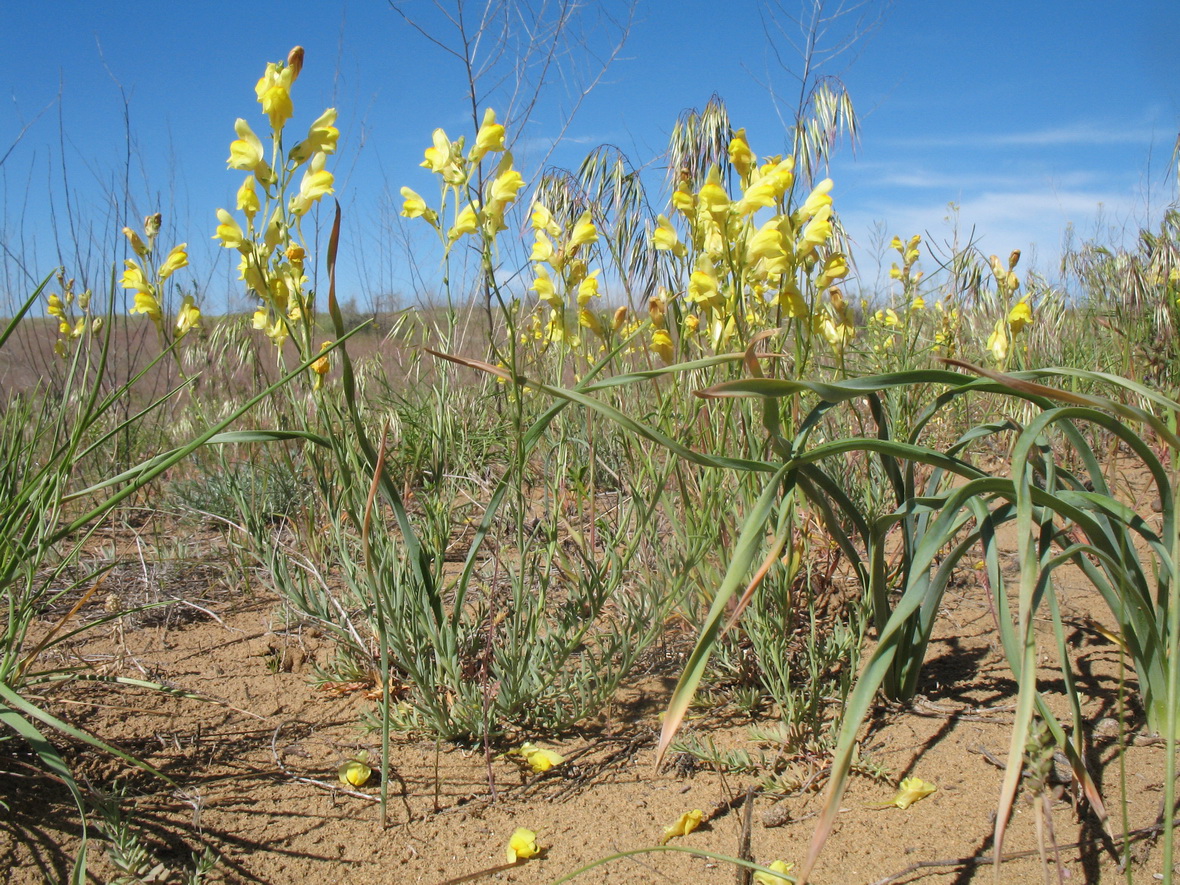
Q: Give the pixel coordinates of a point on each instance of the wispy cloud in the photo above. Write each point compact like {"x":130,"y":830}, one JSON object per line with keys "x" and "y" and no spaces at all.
{"x":1082,"y":134}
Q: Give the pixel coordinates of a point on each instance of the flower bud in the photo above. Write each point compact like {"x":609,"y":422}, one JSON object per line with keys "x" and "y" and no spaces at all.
{"x":295,"y":62}
{"x":151,"y":225}
{"x":1013,"y":258}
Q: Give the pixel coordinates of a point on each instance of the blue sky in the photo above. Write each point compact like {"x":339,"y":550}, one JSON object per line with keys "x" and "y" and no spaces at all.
{"x":1026,"y":117}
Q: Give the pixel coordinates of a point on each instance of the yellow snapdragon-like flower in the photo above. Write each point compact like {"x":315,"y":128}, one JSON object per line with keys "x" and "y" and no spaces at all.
{"x":134,"y":278}
{"x":588,"y":289}
{"x":584,"y":233}
{"x":740,"y":155}
{"x":684,"y":825}
{"x":542,"y":220}
{"x":57,"y":308}
{"x":274,"y":93}
{"x":147,"y":303}
{"x":703,"y":285}
{"x":835,"y":268}
{"x":777,"y":877}
{"x":665,"y":239}
{"x":543,"y":286}
{"x":997,"y":342}
{"x":415,"y":207}
{"x":467,"y":222}
{"x":443,"y":157}
{"x":820,"y":198}
{"x":246,"y":153}
{"x":489,"y":138}
{"x":176,"y":259}
{"x":767,"y":247}
{"x":522,"y":845}
{"x":817,"y":232}
{"x":661,"y":343}
{"x":322,"y":136}
{"x":1020,"y":316}
{"x":542,"y":247}
{"x":502,"y":190}
{"x":248,"y":199}
{"x":317,"y":181}
{"x":229,"y":231}
{"x":713,"y":198}
{"x":188,"y":317}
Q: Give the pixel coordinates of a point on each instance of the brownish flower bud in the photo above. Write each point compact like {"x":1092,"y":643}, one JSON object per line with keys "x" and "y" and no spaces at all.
{"x":295,"y":62}
{"x":151,"y":225}
{"x":1013,"y":258}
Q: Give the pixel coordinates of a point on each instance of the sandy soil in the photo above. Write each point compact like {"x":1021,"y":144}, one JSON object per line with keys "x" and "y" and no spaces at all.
{"x":255,"y":771}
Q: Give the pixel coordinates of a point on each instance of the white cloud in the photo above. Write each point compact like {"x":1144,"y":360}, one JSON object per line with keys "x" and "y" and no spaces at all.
{"x":1078,"y":134}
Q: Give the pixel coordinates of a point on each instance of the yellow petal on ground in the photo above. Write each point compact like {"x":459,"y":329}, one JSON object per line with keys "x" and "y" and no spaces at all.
{"x":779,"y":867}
{"x":354,"y":773}
{"x":522,"y":845}
{"x":684,"y":825}
{"x":910,"y":791}
{"x":542,"y":760}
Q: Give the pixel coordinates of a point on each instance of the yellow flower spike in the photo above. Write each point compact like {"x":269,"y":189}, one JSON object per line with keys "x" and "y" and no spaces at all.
{"x":316,"y":183}
{"x":522,"y":845}
{"x":584,"y":233}
{"x":188,"y":317}
{"x":229,"y":231}
{"x":665,"y":239}
{"x":490,"y":137}
{"x":740,"y":155}
{"x":910,"y":791}
{"x":176,"y":259}
{"x":274,"y":92}
{"x":137,"y":244}
{"x":684,"y":825}
{"x":777,"y":877}
{"x":322,"y":136}
{"x":466,"y":223}
{"x":356,"y":771}
{"x":1020,"y":316}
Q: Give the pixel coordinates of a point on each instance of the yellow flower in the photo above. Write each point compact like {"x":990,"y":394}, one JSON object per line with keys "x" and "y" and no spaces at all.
{"x":910,"y":791}
{"x":661,"y":343}
{"x":489,"y":138}
{"x":538,"y":759}
{"x":543,"y":286}
{"x":887,"y":317}
{"x":1020,"y":316}
{"x":176,"y":259}
{"x":692,"y":323}
{"x":835,"y":268}
{"x":466,"y":223}
{"x":146,"y":303}
{"x":683,"y":200}
{"x":246,"y":152}
{"x":588,"y":289}
{"x":684,"y":825}
{"x":713,"y":197}
{"x":57,"y":309}
{"x":317,"y":181}
{"x":133,"y":278}
{"x":248,"y":198}
{"x":740,"y":155}
{"x":321,"y":367}
{"x":274,"y":93}
{"x":919,"y":303}
{"x":188,"y":317}
{"x":584,"y":233}
{"x":356,"y":771}
{"x":767,"y":245}
{"x":818,"y":199}
{"x":415,"y":207}
{"x":229,"y":231}
{"x":502,"y":190}
{"x":542,"y":220}
{"x":758,"y":195}
{"x":542,"y":247}
{"x":665,"y":239}
{"x":442,"y":157}
{"x":703,"y":286}
{"x":522,"y":845}
{"x":321,"y":138}
{"x":137,"y":244}
{"x":817,"y":231}
{"x":761,"y":878}
{"x":997,"y":342}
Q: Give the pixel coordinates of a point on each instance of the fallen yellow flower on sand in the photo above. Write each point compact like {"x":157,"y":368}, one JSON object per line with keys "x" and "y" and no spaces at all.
{"x":910,"y":791}
{"x":538,"y":758}
{"x":779,"y":866}
{"x":355,"y":772}
{"x":522,"y":845}
{"x":684,"y":825}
